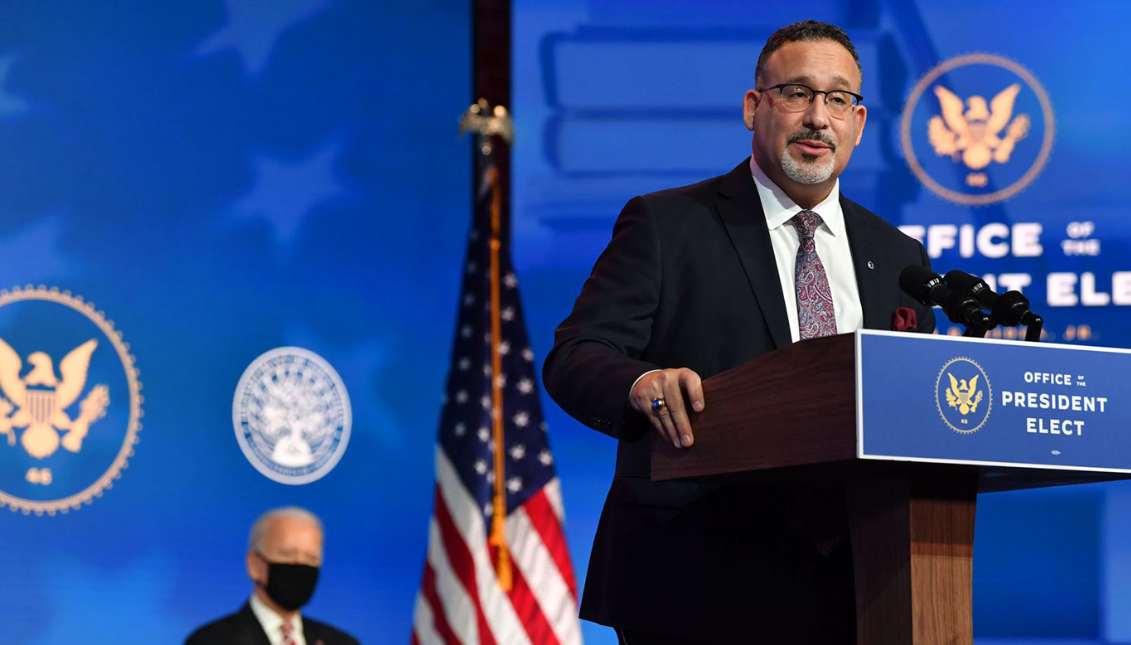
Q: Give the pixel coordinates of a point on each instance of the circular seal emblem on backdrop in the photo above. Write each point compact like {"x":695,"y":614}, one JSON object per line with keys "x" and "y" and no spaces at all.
{"x":292,"y":415}
{"x":977,"y":129}
{"x":70,"y":401}
{"x":963,"y":395}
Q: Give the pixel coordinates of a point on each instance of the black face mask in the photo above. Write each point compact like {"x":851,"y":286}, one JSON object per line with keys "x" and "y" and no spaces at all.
{"x":289,"y":585}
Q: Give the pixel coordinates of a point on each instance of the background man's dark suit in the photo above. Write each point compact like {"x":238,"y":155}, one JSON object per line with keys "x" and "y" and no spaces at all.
{"x":689,"y":280}
{"x":243,"y":628}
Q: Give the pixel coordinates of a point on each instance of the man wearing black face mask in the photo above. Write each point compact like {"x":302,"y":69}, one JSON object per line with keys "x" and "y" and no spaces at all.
{"x":283,"y":559}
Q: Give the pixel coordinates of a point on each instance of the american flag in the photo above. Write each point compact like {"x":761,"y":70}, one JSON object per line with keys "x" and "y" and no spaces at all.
{"x":497,"y":569}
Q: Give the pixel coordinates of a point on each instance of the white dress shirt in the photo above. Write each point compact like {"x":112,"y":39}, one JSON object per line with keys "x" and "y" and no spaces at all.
{"x":273,"y":623}
{"x":831,"y":239}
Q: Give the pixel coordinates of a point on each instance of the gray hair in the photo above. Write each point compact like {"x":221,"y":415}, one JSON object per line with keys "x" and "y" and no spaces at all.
{"x":259,"y":529}
{"x":806,"y":30}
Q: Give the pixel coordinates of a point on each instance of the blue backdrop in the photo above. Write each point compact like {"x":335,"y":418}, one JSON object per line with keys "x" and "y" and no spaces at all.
{"x":223,"y":178}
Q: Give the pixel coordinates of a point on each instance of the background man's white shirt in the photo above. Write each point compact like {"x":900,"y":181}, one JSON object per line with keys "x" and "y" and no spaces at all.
{"x":273,"y":623}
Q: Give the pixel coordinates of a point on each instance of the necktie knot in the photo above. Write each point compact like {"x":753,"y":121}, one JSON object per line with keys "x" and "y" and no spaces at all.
{"x":806,"y":222}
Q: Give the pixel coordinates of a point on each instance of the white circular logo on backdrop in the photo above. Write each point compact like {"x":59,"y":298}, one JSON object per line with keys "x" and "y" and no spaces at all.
{"x":292,"y":416}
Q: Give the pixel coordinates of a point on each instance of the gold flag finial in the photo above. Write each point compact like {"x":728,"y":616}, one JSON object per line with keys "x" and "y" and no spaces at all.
{"x":484,"y":120}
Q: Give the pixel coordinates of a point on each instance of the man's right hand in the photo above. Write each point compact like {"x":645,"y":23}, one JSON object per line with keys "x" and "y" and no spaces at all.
{"x":669,"y":419}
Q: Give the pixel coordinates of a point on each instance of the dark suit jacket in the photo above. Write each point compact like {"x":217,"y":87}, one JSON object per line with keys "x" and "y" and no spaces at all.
{"x":689,"y":280}
{"x":243,"y":628}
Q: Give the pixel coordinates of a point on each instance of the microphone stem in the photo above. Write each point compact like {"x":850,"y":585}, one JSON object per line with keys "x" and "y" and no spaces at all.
{"x":974,"y":330}
{"x":1033,"y":330}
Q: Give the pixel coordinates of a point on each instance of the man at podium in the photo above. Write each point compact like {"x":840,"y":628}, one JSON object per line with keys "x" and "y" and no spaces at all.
{"x":700,"y":279}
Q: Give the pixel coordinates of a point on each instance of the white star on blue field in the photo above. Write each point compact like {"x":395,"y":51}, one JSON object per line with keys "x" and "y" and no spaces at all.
{"x":285,"y":192}
{"x":10,"y":105}
{"x":254,"y":27}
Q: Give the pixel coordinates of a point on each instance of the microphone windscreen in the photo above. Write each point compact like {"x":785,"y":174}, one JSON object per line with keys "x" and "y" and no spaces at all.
{"x":913,"y":280}
{"x":961,"y":281}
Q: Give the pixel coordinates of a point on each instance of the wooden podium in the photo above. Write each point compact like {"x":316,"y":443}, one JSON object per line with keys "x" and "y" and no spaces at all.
{"x":792,"y":417}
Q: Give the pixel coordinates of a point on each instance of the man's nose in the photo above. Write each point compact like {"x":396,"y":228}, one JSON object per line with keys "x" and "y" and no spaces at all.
{"x":817,"y":114}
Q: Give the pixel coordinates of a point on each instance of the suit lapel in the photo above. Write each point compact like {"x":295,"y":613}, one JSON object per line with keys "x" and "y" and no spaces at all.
{"x":313,"y":632}
{"x":250,"y":629}
{"x":867,"y":262}
{"x":741,"y":213}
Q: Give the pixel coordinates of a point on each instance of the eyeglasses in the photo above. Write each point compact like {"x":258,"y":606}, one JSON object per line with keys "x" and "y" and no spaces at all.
{"x":797,"y":98}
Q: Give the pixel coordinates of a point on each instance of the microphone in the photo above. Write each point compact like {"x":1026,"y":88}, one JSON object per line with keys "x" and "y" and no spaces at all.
{"x":1010,"y":308}
{"x":960,"y":306}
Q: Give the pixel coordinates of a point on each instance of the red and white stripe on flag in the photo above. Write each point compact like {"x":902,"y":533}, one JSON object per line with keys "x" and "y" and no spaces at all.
{"x":461,"y":601}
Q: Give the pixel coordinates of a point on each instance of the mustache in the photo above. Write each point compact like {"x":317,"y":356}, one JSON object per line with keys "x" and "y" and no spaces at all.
{"x":812,"y":135}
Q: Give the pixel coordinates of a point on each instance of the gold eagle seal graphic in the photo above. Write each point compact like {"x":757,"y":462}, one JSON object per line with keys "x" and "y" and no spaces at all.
{"x":965,"y":389}
{"x":982,"y":135}
{"x":962,"y":396}
{"x":40,"y":400}
{"x":68,"y":426}
{"x":972,"y":134}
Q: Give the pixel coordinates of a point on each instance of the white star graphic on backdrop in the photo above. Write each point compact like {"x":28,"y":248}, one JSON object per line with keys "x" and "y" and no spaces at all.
{"x":507,"y":314}
{"x":485,"y":402}
{"x":514,"y":484}
{"x":504,"y":348}
{"x":469,"y":300}
{"x":138,"y":577}
{"x":526,"y":386}
{"x":518,"y":451}
{"x":521,"y":419}
{"x":510,"y":281}
{"x":484,"y":434}
{"x":481,"y":466}
{"x":491,"y":477}
{"x":461,"y":397}
{"x":465,"y":331}
{"x":474,"y":234}
{"x":460,"y":429}
{"x":501,"y":380}
{"x":472,"y":267}
{"x":286,"y":192}
{"x":10,"y":105}
{"x":42,"y":234}
{"x":486,"y":369}
{"x":528,"y":354}
{"x":488,"y":510}
{"x":464,"y":364}
{"x":254,"y":27}
{"x":545,"y":458}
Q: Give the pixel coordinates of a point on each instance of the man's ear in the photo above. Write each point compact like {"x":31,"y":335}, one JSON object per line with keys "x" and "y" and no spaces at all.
{"x":256,"y":568}
{"x":862,"y":114}
{"x":749,"y":104}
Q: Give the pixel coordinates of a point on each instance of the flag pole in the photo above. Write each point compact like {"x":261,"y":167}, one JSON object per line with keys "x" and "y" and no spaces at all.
{"x":498,"y":537}
{"x":493,"y":128}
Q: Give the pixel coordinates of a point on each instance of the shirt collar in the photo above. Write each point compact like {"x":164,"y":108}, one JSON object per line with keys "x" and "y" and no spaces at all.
{"x":779,"y":208}
{"x":272,"y":623}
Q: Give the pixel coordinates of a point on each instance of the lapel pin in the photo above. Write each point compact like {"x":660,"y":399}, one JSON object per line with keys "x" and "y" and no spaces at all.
{"x":870,"y":265}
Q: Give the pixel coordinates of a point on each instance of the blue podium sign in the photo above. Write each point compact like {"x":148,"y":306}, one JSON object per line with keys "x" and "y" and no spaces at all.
{"x":992,"y":402}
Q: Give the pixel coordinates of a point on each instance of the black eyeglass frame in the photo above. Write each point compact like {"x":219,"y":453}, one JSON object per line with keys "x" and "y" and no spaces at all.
{"x":780,"y":87}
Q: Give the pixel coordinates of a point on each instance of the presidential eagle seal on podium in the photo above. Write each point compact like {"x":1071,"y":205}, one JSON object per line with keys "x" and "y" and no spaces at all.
{"x":291,"y":415}
{"x":963,"y":395}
